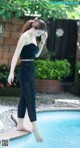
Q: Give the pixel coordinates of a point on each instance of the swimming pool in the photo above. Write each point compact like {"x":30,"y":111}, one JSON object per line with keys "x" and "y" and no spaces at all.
{"x":60,"y":129}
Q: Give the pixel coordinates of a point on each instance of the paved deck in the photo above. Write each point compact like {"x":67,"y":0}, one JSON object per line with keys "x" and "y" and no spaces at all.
{"x":14,"y":133}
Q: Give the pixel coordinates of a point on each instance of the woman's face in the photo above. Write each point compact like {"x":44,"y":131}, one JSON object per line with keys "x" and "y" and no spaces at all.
{"x":38,"y":31}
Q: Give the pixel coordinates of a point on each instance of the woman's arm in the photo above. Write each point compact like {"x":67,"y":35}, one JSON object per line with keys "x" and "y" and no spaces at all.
{"x":19,"y":47}
{"x":41,"y":44}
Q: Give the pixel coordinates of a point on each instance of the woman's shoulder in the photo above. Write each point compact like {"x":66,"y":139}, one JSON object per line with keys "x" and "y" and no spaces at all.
{"x":24,"y":37}
{"x":25,"y":34}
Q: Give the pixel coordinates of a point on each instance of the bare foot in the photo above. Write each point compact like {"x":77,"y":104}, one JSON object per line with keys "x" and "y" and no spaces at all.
{"x":37,"y":136}
{"x":39,"y":139}
{"x":23,"y":129}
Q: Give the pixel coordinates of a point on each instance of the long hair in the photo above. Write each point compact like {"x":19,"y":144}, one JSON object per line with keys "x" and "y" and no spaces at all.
{"x":28,"y":25}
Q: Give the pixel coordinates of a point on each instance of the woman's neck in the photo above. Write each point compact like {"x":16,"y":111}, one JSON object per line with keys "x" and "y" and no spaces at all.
{"x":31,"y":32}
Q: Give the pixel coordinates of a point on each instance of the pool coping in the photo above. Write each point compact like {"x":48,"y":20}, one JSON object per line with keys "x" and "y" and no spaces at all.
{"x":13,"y":134}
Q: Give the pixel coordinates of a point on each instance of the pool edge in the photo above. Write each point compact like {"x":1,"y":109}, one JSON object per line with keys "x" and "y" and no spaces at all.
{"x":19,"y":134}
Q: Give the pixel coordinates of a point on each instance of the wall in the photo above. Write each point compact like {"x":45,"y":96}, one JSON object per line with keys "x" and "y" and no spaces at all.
{"x":9,"y":38}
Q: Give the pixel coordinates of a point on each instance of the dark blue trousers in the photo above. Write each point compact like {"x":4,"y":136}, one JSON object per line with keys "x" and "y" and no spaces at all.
{"x":26,"y":76}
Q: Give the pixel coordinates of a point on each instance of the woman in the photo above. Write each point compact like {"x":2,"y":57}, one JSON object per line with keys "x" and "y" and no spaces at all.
{"x":28,"y":48}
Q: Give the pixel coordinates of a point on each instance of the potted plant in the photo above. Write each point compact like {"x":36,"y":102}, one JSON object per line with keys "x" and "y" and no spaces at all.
{"x":5,"y":88}
{"x":49,"y":74}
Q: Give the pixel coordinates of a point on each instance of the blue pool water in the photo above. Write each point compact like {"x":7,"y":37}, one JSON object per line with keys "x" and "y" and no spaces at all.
{"x":60,"y":129}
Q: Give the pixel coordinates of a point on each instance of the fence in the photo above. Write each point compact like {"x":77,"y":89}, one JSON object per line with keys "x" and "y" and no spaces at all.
{"x":62,"y":41}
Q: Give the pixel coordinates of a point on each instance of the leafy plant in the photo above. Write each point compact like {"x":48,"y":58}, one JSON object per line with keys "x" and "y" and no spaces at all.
{"x":57,"y":70}
{"x":4,"y":73}
{"x":45,"y":8}
{"x":44,"y":69}
{"x":12,"y":8}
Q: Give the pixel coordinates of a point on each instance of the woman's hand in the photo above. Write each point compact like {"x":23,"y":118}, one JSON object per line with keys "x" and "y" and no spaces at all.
{"x":11,"y":78}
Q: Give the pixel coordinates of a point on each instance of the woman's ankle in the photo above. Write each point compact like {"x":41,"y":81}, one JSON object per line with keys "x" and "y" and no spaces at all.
{"x":36,"y":132}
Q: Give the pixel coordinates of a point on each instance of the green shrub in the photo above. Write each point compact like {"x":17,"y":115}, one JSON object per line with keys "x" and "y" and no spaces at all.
{"x":44,"y":69}
{"x":57,"y":70}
